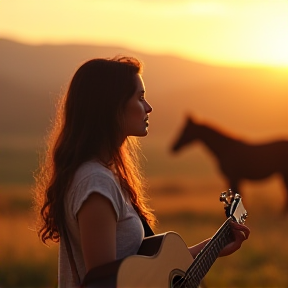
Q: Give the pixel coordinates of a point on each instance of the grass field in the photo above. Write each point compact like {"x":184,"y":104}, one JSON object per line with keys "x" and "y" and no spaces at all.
{"x":261,"y":262}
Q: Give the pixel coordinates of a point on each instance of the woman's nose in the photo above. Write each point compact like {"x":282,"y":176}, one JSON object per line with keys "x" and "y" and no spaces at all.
{"x":148,"y":108}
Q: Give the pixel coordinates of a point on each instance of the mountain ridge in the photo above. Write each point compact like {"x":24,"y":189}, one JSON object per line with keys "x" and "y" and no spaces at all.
{"x":34,"y":75}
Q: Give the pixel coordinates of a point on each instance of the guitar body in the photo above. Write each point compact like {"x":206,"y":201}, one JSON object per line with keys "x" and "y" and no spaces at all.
{"x":161,"y":258}
{"x":172,"y":258}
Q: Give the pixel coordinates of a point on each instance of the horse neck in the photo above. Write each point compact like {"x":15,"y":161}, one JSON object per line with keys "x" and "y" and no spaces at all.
{"x":214,"y":140}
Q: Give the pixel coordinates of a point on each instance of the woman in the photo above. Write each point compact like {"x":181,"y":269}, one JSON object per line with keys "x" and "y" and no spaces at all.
{"x":89,"y":186}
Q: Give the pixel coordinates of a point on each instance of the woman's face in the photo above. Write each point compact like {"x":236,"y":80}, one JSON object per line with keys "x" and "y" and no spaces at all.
{"x":136,"y":111}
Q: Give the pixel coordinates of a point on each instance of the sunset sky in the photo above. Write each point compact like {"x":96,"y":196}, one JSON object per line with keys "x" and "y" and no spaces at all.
{"x":221,"y":32}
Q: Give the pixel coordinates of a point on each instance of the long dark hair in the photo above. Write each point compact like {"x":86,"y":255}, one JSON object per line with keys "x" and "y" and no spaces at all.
{"x":89,"y":120}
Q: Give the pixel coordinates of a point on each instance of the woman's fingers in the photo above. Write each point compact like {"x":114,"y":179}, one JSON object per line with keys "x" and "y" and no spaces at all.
{"x":240,"y":229}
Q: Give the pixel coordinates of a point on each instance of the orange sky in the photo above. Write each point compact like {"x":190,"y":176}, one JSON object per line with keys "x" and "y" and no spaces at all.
{"x":225,"y":32}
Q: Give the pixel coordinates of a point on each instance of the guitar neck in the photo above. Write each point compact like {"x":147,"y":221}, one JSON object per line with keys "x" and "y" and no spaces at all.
{"x":205,"y":259}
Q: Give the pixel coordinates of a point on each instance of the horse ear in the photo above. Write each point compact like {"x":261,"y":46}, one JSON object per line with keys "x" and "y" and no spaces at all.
{"x":189,"y":117}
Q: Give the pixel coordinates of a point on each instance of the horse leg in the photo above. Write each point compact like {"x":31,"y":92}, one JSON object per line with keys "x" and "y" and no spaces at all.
{"x":234,"y":186}
{"x":285,"y":178}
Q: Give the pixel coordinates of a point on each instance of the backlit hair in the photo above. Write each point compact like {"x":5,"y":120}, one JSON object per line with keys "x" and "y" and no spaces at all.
{"x":89,"y":119}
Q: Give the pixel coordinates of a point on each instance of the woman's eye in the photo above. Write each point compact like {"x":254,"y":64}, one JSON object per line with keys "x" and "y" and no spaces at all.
{"x":142,"y":98}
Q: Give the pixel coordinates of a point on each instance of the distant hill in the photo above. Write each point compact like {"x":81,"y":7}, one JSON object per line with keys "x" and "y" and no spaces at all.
{"x":251,"y":102}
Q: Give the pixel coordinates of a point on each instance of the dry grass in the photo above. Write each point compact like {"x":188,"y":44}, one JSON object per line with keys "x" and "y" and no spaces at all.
{"x":25,"y":262}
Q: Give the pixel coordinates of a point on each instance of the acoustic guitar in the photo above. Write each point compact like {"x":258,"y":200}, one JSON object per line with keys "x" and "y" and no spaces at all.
{"x":164,"y":260}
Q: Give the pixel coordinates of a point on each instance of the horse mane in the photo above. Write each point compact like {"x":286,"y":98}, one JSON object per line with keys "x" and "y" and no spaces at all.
{"x":209,"y":125}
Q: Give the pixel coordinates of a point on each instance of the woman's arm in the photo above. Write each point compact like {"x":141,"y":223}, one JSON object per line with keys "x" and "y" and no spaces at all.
{"x":241,"y":233}
{"x":194,"y":250}
{"x":97,"y":222}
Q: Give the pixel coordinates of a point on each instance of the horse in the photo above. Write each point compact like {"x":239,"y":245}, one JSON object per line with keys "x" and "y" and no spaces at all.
{"x":238,"y":160}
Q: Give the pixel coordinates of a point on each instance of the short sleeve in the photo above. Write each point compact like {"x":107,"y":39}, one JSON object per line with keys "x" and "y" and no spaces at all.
{"x":102,"y":184}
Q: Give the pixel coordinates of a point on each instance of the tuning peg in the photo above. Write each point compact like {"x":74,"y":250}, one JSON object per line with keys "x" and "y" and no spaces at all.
{"x":223,"y":198}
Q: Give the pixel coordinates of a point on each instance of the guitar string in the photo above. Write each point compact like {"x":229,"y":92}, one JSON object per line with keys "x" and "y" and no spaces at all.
{"x":207,"y":260}
{"x":215,"y":245}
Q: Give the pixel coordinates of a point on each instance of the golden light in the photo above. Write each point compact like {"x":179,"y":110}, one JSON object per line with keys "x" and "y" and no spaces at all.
{"x":221,"y":32}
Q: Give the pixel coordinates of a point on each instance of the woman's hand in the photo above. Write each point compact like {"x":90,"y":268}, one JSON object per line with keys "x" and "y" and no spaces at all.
{"x":241,"y":233}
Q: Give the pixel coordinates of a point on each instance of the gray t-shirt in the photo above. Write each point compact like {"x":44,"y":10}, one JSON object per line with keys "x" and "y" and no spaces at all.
{"x":93,"y":177}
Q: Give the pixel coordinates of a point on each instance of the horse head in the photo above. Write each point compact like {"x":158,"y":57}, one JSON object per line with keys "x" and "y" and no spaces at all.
{"x":186,"y":136}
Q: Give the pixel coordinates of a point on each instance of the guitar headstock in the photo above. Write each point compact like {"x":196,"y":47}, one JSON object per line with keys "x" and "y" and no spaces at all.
{"x":233,"y":206}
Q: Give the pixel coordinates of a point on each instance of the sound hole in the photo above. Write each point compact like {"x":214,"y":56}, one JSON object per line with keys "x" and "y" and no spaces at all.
{"x":176,"y":277}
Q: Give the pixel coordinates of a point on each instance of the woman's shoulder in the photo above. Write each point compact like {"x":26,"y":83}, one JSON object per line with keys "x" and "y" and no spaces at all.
{"x":91,"y":168}
{"x":93,"y":177}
